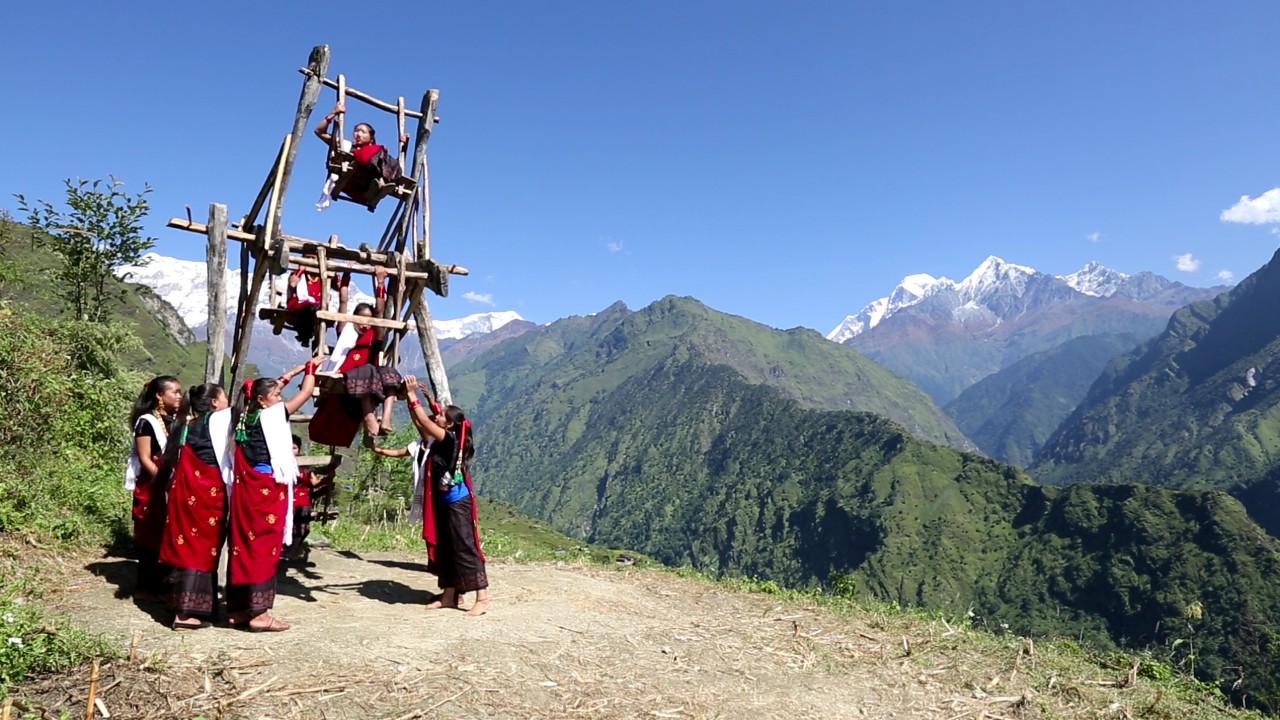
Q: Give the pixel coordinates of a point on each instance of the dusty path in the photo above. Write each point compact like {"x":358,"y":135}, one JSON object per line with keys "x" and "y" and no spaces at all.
{"x":558,"y":641}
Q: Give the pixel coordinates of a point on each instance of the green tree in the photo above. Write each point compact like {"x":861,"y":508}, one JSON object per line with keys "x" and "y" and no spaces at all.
{"x":100,"y":230}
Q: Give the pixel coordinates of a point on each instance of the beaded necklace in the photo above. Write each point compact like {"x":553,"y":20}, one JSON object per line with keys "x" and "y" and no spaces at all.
{"x":160,"y":416}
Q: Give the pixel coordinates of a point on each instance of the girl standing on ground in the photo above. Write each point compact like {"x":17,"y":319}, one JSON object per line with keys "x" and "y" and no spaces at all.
{"x":450,"y":525}
{"x":198,"y":469}
{"x":153,"y":413}
{"x":261,"y":516}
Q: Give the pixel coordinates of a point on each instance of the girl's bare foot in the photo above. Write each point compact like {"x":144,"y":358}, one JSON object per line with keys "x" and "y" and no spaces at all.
{"x":479,"y":608}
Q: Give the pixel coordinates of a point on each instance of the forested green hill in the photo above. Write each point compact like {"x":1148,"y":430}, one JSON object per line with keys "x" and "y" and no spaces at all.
{"x":1198,"y":406}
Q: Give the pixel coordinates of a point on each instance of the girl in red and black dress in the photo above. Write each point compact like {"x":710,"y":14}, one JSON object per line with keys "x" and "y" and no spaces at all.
{"x":153,"y":413}
{"x":365,"y":180}
{"x":261,"y":516}
{"x":302,"y":304}
{"x":198,"y":470}
{"x":368,"y":384}
{"x":450,"y":524}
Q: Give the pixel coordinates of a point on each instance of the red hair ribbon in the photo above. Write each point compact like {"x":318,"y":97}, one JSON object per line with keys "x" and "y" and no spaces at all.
{"x":248,"y":388}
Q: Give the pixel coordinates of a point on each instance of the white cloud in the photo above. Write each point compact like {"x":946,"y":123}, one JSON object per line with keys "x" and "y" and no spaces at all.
{"x":614,"y":246}
{"x":1255,"y":211}
{"x":1186,"y":262}
{"x":1094,"y":236}
{"x":483,"y":298}
{"x":1225,"y":275}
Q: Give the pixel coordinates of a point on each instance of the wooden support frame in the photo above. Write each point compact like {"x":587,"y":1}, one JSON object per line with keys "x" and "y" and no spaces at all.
{"x":265,"y":251}
{"x":365,"y":97}
{"x":341,"y":258}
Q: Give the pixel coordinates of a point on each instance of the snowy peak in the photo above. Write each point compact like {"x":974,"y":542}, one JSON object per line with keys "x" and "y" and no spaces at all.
{"x":480,"y":323}
{"x":910,"y":291}
{"x":990,"y":291}
{"x":995,"y":276}
{"x":1096,"y":279}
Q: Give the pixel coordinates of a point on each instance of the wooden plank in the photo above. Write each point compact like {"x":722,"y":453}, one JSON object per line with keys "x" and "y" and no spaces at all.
{"x":360,"y":319}
{"x":216,"y":277}
{"x":363,"y":97}
{"x":339,"y":120}
{"x":298,"y":418}
{"x":316,"y":461}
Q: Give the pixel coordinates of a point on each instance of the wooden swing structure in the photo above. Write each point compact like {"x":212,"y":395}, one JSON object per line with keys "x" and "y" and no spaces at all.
{"x":267,"y":254}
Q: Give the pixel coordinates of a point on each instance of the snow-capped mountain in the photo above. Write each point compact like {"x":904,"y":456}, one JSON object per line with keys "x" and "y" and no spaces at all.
{"x":947,"y":335}
{"x":1096,"y":279}
{"x":184,"y":285}
{"x":911,"y":290}
{"x":481,"y":323}
{"x":997,"y":288}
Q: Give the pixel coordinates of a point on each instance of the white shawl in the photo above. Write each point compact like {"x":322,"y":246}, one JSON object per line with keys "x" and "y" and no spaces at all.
{"x":134,"y":467}
{"x":219,"y":433}
{"x":284,"y":465}
{"x":346,"y":340}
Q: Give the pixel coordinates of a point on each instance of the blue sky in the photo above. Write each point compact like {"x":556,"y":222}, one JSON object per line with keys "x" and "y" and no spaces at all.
{"x":786,"y":162}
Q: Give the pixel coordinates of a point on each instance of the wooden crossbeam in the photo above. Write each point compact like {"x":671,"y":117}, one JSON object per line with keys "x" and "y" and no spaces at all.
{"x":365,"y":97}
{"x":417,"y":269}
{"x":361,"y":319}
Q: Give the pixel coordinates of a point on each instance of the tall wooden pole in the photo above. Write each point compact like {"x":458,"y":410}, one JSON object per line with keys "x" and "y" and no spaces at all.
{"x":422,"y":312}
{"x":429,"y":101}
{"x":317,"y":66}
{"x":216,"y":269}
{"x":430,"y":349}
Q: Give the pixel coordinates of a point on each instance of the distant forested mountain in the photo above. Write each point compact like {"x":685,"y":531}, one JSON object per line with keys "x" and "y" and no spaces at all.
{"x":667,"y":430}
{"x":1010,"y":413}
{"x":1197,"y":406}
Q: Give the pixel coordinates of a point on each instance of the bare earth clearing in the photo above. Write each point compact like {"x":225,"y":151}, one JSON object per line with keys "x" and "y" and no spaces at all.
{"x":558,"y":641}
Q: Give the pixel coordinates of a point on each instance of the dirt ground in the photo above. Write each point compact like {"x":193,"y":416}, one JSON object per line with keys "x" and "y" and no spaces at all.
{"x":558,"y":641}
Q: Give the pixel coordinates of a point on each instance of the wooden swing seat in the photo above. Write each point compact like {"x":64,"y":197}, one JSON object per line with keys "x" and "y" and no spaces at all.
{"x":342,"y":163}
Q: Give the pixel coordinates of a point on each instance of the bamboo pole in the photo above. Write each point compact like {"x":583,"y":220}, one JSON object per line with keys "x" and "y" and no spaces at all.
{"x":251,"y":217}
{"x":93,"y":691}
{"x":277,"y":196}
{"x":321,"y":341}
{"x":401,"y":141}
{"x":363,"y":97}
{"x":339,"y":121}
{"x":216,"y":276}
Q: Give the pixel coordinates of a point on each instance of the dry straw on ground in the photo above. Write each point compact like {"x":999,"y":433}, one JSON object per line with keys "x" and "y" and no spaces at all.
{"x":569,"y":641}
